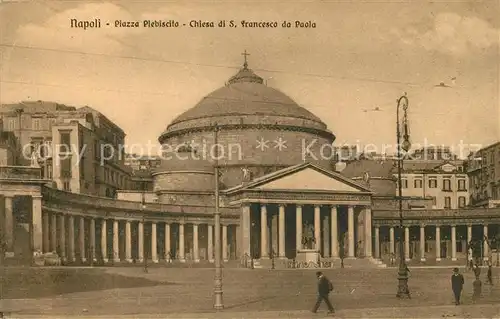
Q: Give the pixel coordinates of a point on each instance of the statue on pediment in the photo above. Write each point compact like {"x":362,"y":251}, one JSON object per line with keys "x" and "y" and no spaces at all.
{"x":247,"y":174}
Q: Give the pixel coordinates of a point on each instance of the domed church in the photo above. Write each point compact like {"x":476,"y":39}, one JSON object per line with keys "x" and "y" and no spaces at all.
{"x":270,"y":159}
{"x":275,"y":174}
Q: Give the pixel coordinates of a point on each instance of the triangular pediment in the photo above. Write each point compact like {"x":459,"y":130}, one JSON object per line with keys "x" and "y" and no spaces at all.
{"x":310,"y":179}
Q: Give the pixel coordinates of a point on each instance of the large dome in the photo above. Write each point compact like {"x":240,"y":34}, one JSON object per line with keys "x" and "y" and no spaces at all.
{"x":251,"y":125}
{"x":246,"y":94}
{"x":244,"y":98}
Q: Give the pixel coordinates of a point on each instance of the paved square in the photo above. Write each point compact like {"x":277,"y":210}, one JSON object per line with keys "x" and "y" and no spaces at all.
{"x":169,"y":292}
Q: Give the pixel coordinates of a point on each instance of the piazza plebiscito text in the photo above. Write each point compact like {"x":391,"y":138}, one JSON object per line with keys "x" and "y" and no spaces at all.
{"x":97,"y":24}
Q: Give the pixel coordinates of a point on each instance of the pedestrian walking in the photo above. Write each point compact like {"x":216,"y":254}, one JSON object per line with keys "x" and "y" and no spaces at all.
{"x":477,"y":271}
{"x":489,"y":274}
{"x":457,"y":284}
{"x":325,"y":286}
{"x":477,"y":287}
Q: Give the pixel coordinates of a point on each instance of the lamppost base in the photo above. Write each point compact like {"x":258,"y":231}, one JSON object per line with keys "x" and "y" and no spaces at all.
{"x":403,"y":290}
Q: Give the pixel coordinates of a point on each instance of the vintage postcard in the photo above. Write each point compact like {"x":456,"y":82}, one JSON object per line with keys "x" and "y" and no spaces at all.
{"x":249,"y":159}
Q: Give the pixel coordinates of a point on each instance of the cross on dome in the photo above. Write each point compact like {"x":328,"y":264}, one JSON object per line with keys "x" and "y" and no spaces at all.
{"x":245,"y":54}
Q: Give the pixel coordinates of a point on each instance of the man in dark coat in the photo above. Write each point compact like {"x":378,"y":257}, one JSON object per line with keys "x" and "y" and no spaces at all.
{"x":324,"y":288}
{"x":457,"y":284}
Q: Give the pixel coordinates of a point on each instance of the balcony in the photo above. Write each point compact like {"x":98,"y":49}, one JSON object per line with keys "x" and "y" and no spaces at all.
{"x":20,"y":172}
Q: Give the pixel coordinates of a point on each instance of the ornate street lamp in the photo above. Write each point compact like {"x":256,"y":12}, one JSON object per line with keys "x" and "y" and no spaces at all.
{"x":143,"y":206}
{"x":403,"y":289}
{"x":218,"y":303}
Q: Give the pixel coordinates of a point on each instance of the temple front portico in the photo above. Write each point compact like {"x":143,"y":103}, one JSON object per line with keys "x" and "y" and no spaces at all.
{"x":303,"y":207}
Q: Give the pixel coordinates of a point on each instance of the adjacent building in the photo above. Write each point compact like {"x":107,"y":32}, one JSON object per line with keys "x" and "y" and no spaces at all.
{"x":445,"y":182}
{"x":483,"y":168}
{"x":80,"y":149}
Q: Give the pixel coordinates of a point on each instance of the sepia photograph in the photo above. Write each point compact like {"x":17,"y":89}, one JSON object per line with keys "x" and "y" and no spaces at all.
{"x":249,"y":159}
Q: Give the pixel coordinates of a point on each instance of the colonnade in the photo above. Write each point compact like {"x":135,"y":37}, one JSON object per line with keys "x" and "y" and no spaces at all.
{"x":423,"y":239}
{"x":8,"y":219}
{"x":325,"y":227}
{"x":74,"y":238}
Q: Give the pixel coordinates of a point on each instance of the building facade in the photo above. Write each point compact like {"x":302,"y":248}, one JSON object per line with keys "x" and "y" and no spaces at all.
{"x":78,"y":148}
{"x":484,"y":173}
{"x":446,"y":183}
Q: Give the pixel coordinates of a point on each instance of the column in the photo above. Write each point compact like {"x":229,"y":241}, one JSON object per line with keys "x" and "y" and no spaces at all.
{"x":237,"y":240}
{"x":104,"y":241}
{"x":377,"y":242}
{"x":92,"y":239}
{"x":53,"y":232}
{"x":81,"y":239}
{"x":168,"y":249}
{"x":140,"y":241}
{"x":196,"y":253}
{"x":264,"y":254}
{"x":273,"y":234}
{"x":368,"y":231}
{"x":298,"y":227}
{"x":391,"y":240}
{"x":438,"y":243}
{"x":317,"y":227}
{"x":36,"y":221}
{"x":486,"y":246}
{"x":422,"y":242}
{"x":407,"y":243}
{"x":128,"y":242}
{"x":182,"y":259}
{"x":9,"y":224}
{"x":154,"y":250}
{"x":210,"y":244}
{"x":225,"y":257}
{"x":246,"y":226}
{"x":281,"y":232}
{"x":325,"y":230}
{"x":334,"y":232}
{"x":46,"y":230}
{"x":469,"y":234}
{"x":453,"y":242}
{"x":350,"y":230}
{"x":71,"y":238}
{"x":116,"y":241}
{"x":62,"y":237}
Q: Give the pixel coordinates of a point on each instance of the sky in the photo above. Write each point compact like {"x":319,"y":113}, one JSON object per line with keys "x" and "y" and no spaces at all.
{"x":360,"y":56}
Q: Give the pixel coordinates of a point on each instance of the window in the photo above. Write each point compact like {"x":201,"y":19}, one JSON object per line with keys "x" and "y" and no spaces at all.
{"x":434,"y":202}
{"x":417,"y":183}
{"x":447,"y":202}
{"x":433,"y":183}
{"x":82,"y":167}
{"x":461,"y":185}
{"x":447,"y":184}
{"x":97,"y":150}
{"x":404,"y":183}
{"x":461,"y":201}
{"x":65,"y":145}
{"x":36,"y":124}
{"x":66,"y":167}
